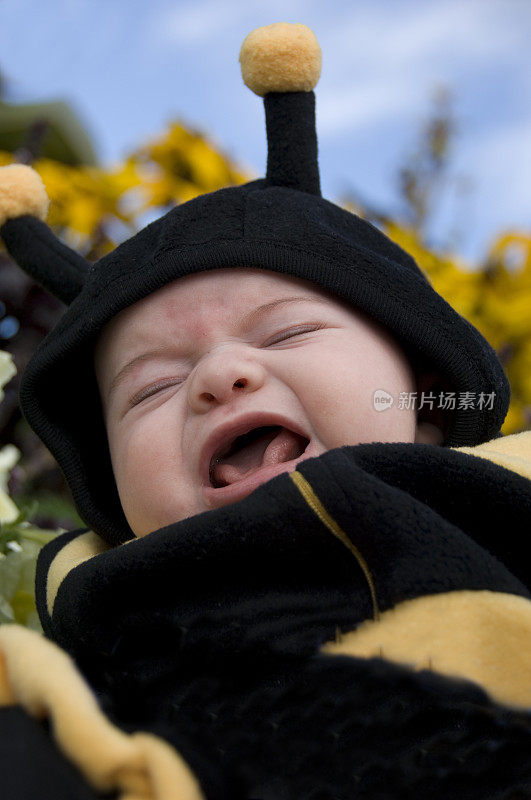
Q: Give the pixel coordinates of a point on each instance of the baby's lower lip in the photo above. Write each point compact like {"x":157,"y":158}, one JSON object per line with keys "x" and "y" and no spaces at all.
{"x":215,"y":498}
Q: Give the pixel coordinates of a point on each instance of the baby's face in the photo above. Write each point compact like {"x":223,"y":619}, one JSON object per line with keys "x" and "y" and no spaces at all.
{"x":236,"y":353}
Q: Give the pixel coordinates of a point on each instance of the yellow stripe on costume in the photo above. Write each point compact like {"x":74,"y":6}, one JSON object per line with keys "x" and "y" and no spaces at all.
{"x":479,"y":635}
{"x":512,"y":452}
{"x":37,"y":675}
{"x":305,"y":488}
{"x":80,"y":549}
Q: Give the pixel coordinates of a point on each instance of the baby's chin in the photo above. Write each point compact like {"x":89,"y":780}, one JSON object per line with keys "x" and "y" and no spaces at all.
{"x":211,"y":498}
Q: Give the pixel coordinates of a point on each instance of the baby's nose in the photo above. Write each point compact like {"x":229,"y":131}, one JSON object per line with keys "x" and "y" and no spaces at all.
{"x":221,"y":377}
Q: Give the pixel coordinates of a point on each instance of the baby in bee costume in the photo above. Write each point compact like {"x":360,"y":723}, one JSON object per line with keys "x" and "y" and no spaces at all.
{"x":284,"y":591}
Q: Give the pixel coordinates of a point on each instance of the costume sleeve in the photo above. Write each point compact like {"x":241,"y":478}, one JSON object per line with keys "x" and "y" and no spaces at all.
{"x":87,"y":755}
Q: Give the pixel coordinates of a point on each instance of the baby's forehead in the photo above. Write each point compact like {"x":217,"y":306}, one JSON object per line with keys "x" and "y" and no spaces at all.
{"x":185,"y":307}
{"x":243,"y":284}
{"x":232,"y":289}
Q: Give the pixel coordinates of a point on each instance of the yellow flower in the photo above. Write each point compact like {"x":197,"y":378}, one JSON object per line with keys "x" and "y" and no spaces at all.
{"x":514,"y":421}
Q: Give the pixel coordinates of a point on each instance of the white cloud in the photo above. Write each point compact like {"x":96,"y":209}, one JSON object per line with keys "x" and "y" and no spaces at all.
{"x":192,"y":24}
{"x":403,"y":33}
{"x":379,"y":64}
{"x":360,"y":105}
{"x":501,"y":157}
{"x":204,"y":21}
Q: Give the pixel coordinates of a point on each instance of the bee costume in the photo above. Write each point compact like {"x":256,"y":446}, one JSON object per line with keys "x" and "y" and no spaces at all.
{"x":358,"y":628}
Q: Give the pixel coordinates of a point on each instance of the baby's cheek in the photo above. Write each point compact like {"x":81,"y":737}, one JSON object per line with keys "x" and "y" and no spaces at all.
{"x":391,"y":413}
{"x":134,"y":456}
{"x":149,"y":489}
{"x":349,"y":406}
{"x":394,"y":424}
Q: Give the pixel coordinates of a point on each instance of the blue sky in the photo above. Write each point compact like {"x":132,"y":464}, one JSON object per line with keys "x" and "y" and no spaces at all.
{"x":130,"y":66}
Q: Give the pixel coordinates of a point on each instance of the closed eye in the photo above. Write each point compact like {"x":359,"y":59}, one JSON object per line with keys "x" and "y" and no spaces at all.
{"x":291,"y":332}
{"x":149,"y":391}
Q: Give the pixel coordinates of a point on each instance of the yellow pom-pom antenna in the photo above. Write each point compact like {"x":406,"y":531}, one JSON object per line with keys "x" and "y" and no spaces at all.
{"x":282,"y":57}
{"x":30,"y":242}
{"x":21,"y":192}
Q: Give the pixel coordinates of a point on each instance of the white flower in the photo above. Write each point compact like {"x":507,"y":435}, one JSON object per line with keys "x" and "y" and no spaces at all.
{"x":7,"y":370}
{"x":9,"y":455}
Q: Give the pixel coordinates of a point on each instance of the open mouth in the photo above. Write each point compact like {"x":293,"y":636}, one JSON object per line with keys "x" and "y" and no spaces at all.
{"x":260,"y":447}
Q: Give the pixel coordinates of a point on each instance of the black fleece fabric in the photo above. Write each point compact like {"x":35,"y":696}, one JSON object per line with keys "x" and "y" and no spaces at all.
{"x":207,"y":632}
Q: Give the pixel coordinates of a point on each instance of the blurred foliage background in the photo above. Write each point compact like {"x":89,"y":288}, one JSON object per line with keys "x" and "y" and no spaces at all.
{"x":93,"y":208}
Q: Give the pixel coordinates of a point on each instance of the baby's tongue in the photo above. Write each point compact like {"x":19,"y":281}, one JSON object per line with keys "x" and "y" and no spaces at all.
{"x":272,"y":447}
